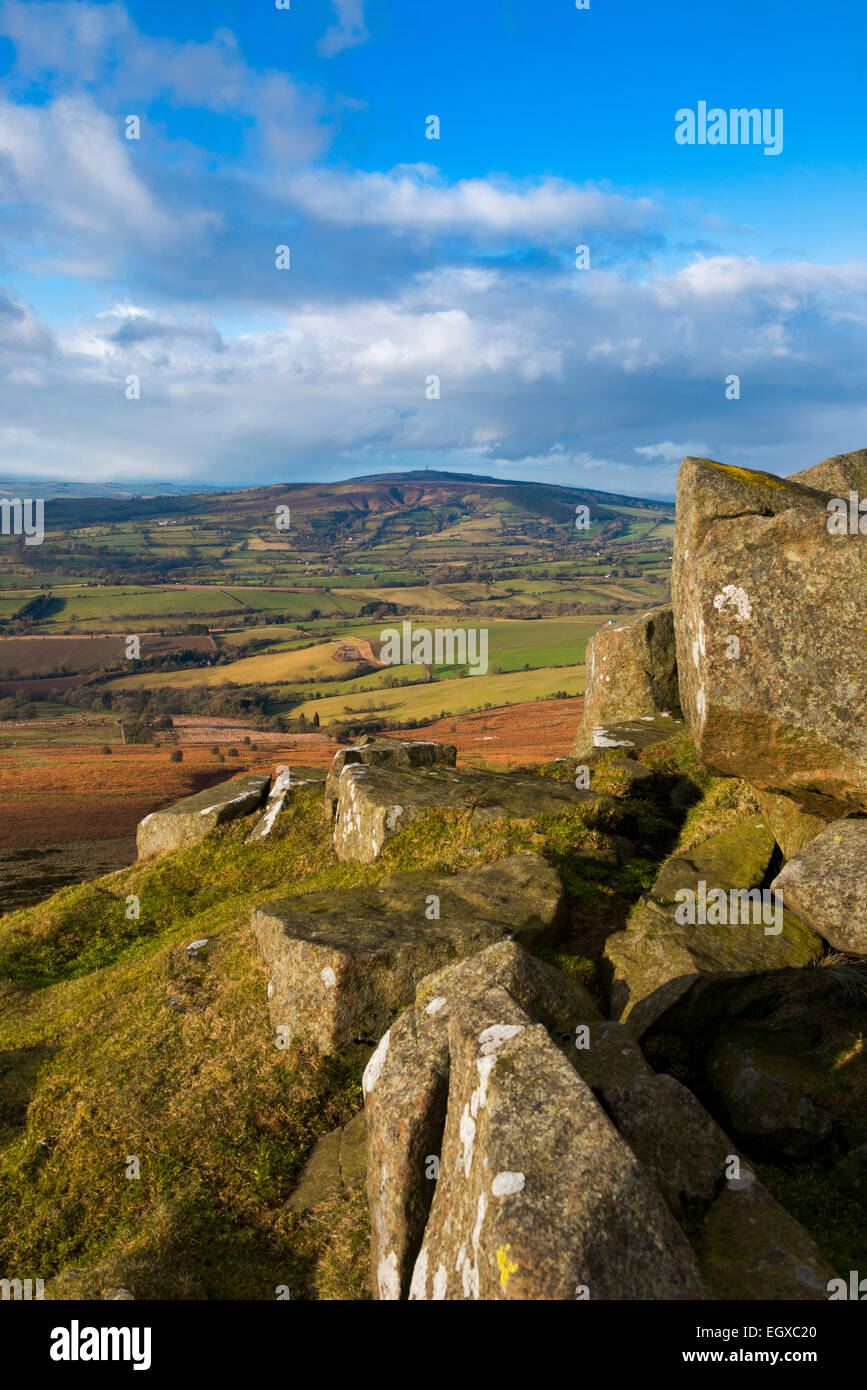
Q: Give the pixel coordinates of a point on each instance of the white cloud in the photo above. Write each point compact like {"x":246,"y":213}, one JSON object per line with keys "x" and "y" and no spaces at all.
{"x":349,"y":31}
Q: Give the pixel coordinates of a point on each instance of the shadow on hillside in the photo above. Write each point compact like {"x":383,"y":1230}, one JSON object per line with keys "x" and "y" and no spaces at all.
{"x":19,"y":1073}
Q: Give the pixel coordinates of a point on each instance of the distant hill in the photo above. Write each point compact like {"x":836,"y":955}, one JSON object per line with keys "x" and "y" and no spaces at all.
{"x":422,"y":490}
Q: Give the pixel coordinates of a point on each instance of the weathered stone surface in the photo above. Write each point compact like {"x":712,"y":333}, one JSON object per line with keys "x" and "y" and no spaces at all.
{"x":838,"y":475}
{"x":345,"y":965}
{"x":753,"y":1249}
{"x":338,"y":1163}
{"x":375,"y":803}
{"x":191,"y":820}
{"x":537,"y":1194}
{"x":767,"y":1091}
{"x":754,"y":559}
{"x":406,"y":1088}
{"x":371,"y":751}
{"x":284,"y":788}
{"x":680,"y":1147}
{"x":825,"y":885}
{"x":632,"y":735}
{"x":631,"y":671}
{"x":792,"y":828}
{"x":660,"y":964}
{"x":851,"y":1173}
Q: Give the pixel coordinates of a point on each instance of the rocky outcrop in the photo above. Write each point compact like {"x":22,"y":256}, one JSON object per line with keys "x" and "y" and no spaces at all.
{"x":371,"y":751}
{"x":768,"y":609}
{"x":344,"y":965}
{"x":191,"y":820}
{"x":375,"y":803}
{"x":631,"y":672}
{"x":520,"y":1147}
{"x":697,"y":940}
{"x":535,"y":1196}
{"x":825,"y":885}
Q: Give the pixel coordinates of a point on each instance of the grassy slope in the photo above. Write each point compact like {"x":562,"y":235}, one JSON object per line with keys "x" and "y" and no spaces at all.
{"x":114,"y":1043}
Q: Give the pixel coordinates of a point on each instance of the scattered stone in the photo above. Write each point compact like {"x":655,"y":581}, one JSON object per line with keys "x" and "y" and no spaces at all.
{"x":338,"y":1164}
{"x":375,"y":803}
{"x":118,"y":1295}
{"x":631,"y":671}
{"x":191,"y":820}
{"x":767,"y":1091}
{"x":196,"y":946}
{"x":826,"y":885}
{"x":343,"y":966}
{"x":753,"y":1249}
{"x":699,"y":968}
{"x":388,"y":752}
{"x":754,"y":559}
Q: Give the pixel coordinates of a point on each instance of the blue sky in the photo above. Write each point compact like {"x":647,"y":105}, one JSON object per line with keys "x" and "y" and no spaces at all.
{"x":412,"y":257}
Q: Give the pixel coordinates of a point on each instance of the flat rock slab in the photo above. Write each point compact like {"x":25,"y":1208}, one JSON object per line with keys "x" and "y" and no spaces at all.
{"x":343,"y":965}
{"x":660,"y":963}
{"x":389,"y":752}
{"x":628,"y":735}
{"x":826,"y":885}
{"x":338,"y":1164}
{"x":631,"y":671}
{"x":786,"y":705}
{"x":191,"y":820}
{"x":375,"y":803}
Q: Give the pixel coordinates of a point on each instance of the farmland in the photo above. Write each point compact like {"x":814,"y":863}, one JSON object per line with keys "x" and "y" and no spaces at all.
{"x":152,"y":646}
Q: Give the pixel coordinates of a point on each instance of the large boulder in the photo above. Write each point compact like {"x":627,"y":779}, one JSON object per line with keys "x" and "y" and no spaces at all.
{"x":492,"y":1174}
{"x":767,"y":1089}
{"x":663,"y":962}
{"x":825,"y":885}
{"x":533,"y":1195}
{"x":191,"y":820}
{"x":784,"y":705}
{"x":375,"y":803}
{"x":344,"y":964}
{"x":631,"y":672}
{"x":373,"y":751}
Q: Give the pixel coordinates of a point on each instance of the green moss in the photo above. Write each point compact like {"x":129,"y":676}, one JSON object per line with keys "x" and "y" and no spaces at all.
{"x":837,"y":1222}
